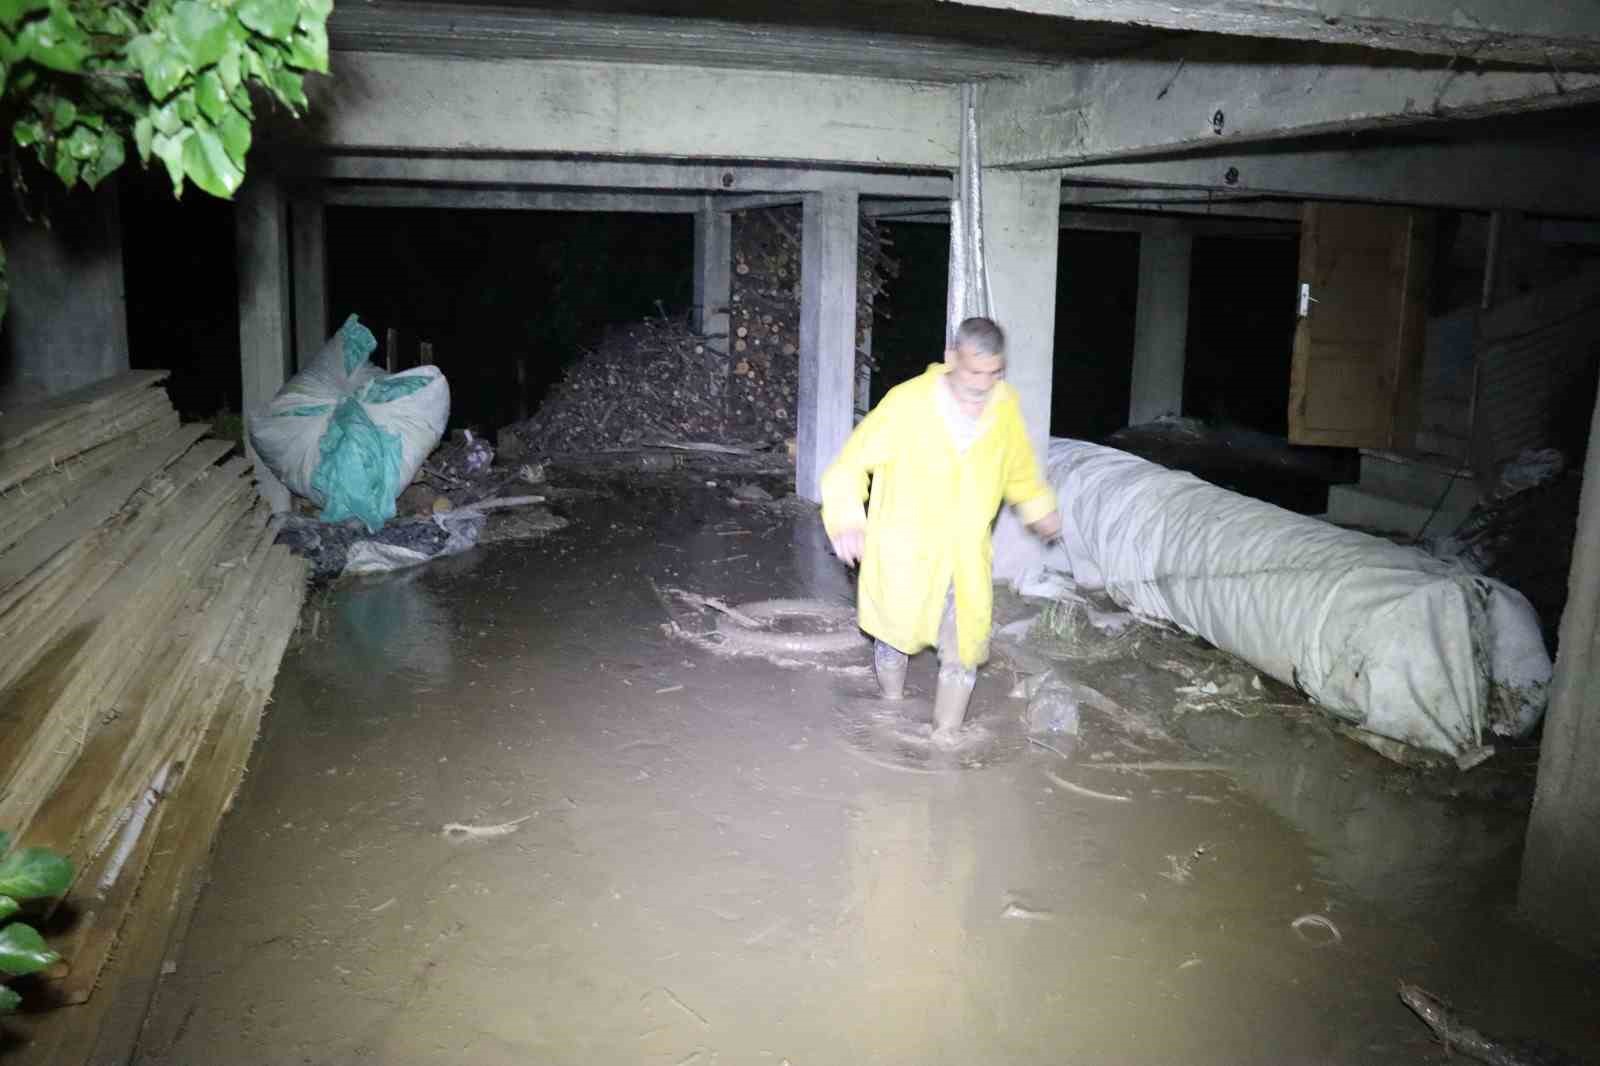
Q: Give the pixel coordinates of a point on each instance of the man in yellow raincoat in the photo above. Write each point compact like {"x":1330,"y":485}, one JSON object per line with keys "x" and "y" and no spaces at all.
{"x":943,"y":450}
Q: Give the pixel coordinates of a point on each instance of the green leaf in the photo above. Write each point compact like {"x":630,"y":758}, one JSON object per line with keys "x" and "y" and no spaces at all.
{"x":8,"y":907}
{"x":169,"y":149}
{"x":315,"y":12}
{"x":5,"y":837}
{"x":56,"y":41}
{"x":34,"y":873}
{"x":110,"y":156}
{"x":228,"y":67}
{"x":162,"y":63}
{"x":270,"y":18}
{"x":234,"y":129}
{"x":13,"y":11}
{"x":64,"y":113}
{"x":23,"y":950}
{"x":289,"y":87}
{"x":83,"y":145}
{"x":188,"y":109}
{"x":201,"y":30}
{"x":211,"y":97}
{"x":27,"y":132}
{"x":143,"y":131}
{"x":66,"y":168}
{"x":9,"y":1000}
{"x":206,"y":162}
{"x":309,"y":49}
{"x":166,"y":119}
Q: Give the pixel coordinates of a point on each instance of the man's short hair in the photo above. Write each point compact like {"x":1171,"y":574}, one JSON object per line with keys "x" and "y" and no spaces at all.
{"x":982,"y":336}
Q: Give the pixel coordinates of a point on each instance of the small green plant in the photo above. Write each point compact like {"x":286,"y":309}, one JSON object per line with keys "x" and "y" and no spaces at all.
{"x":27,"y":873}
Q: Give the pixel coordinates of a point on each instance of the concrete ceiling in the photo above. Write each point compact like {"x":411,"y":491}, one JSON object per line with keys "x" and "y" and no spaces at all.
{"x":919,"y":40}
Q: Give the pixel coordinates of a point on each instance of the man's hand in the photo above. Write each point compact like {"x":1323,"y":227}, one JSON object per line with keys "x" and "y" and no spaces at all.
{"x":1048,"y":527}
{"x":849,"y":544}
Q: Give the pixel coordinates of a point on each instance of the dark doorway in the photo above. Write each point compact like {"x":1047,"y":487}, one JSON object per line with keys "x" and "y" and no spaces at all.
{"x":506,"y":298}
{"x":1097,"y":295}
{"x":1241,"y":331}
{"x":182,"y":291}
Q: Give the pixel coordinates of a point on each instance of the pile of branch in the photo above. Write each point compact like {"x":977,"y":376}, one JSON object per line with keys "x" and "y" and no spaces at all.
{"x":144,"y":610}
{"x":659,"y":380}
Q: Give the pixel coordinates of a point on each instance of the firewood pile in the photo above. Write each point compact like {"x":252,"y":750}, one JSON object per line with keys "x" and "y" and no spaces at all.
{"x":657,"y":380}
{"x":144,"y":609}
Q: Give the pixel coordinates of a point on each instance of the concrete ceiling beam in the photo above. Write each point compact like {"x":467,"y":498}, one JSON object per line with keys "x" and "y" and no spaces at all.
{"x":409,"y":103}
{"x":1566,"y":34}
{"x":1190,"y":97}
{"x":1487,"y":176}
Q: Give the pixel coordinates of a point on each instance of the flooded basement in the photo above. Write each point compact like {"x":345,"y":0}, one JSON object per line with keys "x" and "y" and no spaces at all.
{"x":499,"y":815}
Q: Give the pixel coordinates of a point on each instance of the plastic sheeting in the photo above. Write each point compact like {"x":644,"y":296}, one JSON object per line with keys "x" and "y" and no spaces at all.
{"x":1383,"y":636}
{"x":967,"y":290}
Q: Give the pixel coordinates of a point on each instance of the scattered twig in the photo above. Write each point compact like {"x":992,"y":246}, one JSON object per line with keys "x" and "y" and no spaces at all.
{"x":1089,"y":792}
{"x":458,"y":831}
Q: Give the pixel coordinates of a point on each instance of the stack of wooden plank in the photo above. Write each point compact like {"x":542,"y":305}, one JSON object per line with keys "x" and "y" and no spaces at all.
{"x":144,"y":610}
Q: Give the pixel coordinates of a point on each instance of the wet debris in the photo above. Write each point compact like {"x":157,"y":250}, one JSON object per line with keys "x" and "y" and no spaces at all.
{"x":1456,"y":1035}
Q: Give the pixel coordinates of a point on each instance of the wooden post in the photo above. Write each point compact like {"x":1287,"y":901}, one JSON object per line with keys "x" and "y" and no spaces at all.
{"x":425,"y":352}
{"x":391,"y":349}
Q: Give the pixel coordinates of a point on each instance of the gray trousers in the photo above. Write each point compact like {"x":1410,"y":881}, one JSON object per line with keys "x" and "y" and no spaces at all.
{"x":950,"y":668}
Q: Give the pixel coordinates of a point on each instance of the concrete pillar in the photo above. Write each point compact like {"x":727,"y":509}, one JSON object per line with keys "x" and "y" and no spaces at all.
{"x":864,"y":364}
{"x":1161,"y":323}
{"x":261,"y":222}
{"x":309,"y":256}
{"x":713,"y":272}
{"x":67,"y":324}
{"x":827,"y":334}
{"x":1561,"y":863}
{"x":1021,"y":232}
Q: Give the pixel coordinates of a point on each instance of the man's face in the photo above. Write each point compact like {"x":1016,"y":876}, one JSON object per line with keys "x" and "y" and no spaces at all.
{"x":974,"y":374}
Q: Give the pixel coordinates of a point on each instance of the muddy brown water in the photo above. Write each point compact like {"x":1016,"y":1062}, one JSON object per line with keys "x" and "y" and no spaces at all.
{"x":720,"y":860}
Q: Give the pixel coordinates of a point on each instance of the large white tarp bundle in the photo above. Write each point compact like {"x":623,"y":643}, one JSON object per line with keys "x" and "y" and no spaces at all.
{"x":1383,"y":636}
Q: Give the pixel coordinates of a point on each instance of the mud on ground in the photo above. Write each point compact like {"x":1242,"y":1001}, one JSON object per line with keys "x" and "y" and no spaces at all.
{"x":666,"y":854}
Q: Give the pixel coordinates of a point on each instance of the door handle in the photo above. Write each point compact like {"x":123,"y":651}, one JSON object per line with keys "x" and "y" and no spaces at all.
{"x":1306,"y":299}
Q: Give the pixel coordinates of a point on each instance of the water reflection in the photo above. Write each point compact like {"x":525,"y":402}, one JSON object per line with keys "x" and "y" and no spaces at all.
{"x":392,"y":626}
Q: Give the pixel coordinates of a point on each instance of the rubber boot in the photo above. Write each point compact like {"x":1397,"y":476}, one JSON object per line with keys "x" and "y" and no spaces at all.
{"x":950,"y":708}
{"x":890,"y":667}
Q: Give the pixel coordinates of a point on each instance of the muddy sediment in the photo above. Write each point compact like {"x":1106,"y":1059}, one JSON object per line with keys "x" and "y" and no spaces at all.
{"x":700,"y":857}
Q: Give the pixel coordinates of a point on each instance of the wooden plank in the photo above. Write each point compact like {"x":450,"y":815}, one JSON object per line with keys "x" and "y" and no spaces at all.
{"x":46,"y":720}
{"x":43,"y":495}
{"x":21,"y":425}
{"x":29,"y":623}
{"x":107,"y":1028}
{"x":67,"y":822}
{"x":62,"y":443}
{"x":98,"y":501}
{"x":108,"y":808}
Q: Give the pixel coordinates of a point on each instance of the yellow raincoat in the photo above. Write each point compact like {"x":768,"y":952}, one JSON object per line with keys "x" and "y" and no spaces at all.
{"x":931,"y":511}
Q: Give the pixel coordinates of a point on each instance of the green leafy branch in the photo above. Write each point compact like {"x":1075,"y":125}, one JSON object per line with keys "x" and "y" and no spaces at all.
{"x":27,"y":873}
{"x":81,"y":77}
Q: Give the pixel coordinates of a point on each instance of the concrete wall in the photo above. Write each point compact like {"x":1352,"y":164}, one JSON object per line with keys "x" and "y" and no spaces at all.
{"x":427,"y":103}
{"x":67,"y":324}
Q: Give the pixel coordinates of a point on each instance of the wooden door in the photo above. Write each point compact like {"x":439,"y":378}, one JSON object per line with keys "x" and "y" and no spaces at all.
{"x":1358,"y":345}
